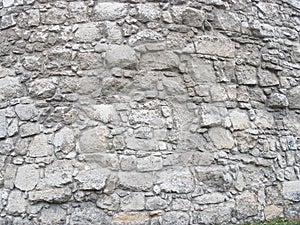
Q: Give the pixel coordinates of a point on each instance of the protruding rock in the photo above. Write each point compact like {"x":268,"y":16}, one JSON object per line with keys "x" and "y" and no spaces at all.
{"x":57,"y":195}
{"x":94,"y":140}
{"x":40,"y":146}
{"x":110,"y":10}
{"x":42,"y":88}
{"x":133,"y":202}
{"x":221,"y":137}
{"x":26,"y":111}
{"x":27,"y":177}
{"x":239,"y":119}
{"x":136,"y":181}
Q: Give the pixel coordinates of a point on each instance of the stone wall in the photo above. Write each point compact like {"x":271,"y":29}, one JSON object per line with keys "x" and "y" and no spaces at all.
{"x":149,"y":112}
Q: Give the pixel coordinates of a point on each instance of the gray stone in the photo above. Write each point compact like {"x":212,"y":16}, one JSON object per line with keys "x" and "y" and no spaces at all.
{"x":178,"y":218}
{"x":215,"y":45}
{"x":201,"y":71}
{"x":246,"y":205}
{"x":267,"y":78}
{"x":136,"y":181}
{"x":121,"y":56}
{"x":26,"y":112}
{"x":57,"y":195}
{"x":211,"y":198}
{"x":92,"y":179}
{"x":7,"y":21}
{"x":8,"y":3}
{"x":148,"y":12}
{"x":3,"y":125}
{"x":34,"y":17}
{"x":264,"y":119}
{"x":143,"y":36}
{"x":10,"y":88}
{"x":78,"y":12}
{"x":94,"y":140}
{"x":155,"y":203}
{"x":246,"y":75}
{"x":105,"y":113}
{"x":239,"y":119}
{"x":29,"y":129}
{"x":27,"y":177}
{"x":128,"y":163}
{"x":193,"y":17}
{"x":177,"y":181}
{"x":42,"y":88}
{"x":221,"y":137}
{"x":133,"y":202}
{"x":53,"y":215}
{"x":110,"y":10}
{"x":92,"y":29}
{"x":159,"y":61}
{"x":109,"y":202}
{"x":64,"y":140}
{"x":149,"y":163}
{"x":293,"y":98}
{"x":40,"y":147}
{"x":16,"y":202}
{"x":55,"y":16}
{"x":125,"y":218}
{"x":104,"y":160}
{"x":277,"y":100}
{"x":58,"y":173}
{"x":291,"y":190}
{"x":212,"y":115}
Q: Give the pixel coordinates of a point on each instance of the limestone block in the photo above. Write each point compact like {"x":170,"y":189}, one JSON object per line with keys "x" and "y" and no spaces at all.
{"x":55,"y":16}
{"x":149,"y":163}
{"x":178,"y":218}
{"x":273,"y":211}
{"x":277,"y":100}
{"x":124,"y":218}
{"x":53,"y":215}
{"x":159,"y":61}
{"x":94,"y":140}
{"x":33,"y":17}
{"x":211,"y":198}
{"x":267,"y":78}
{"x":40,"y":147}
{"x":291,"y":190}
{"x":92,"y":179}
{"x":10,"y":88}
{"x":246,"y":205}
{"x":176,"y":181}
{"x":110,"y":10}
{"x":26,"y":111}
{"x":128,"y":162}
{"x":264,"y":119}
{"x":3,"y":125}
{"x":58,"y":173}
{"x":133,"y":202}
{"x":221,"y":137}
{"x":155,"y":203}
{"x":27,"y":177}
{"x":239,"y":119}
{"x":29,"y":129}
{"x":145,"y":36}
{"x":136,"y":181}
{"x":87,"y":32}
{"x":42,"y":88}
{"x":293,"y":98}
{"x":105,"y":113}
{"x":193,"y":17}
{"x":16,"y":202}
{"x":64,"y":140}
{"x":8,"y":3}
{"x":57,"y":195}
{"x":148,"y":12}
{"x":212,"y":115}
{"x":215,"y":45}
{"x":7,"y":21}
{"x":246,"y":75}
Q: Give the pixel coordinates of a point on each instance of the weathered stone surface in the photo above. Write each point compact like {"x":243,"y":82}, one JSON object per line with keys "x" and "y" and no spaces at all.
{"x":133,"y":202}
{"x":87,"y":28}
{"x":143,"y":36}
{"x":26,"y":112}
{"x":211,"y":198}
{"x":40,"y":147}
{"x":53,"y":215}
{"x":128,"y":162}
{"x":7,"y":21}
{"x":277,"y":100}
{"x":104,"y":113}
{"x":215,"y":45}
{"x":7,"y":3}
{"x":57,"y":195}
{"x":92,"y":179}
{"x":131,"y":218}
{"x":150,"y":163}
{"x":180,"y":218}
{"x":3,"y":126}
{"x":155,"y":203}
{"x":159,"y":61}
{"x":202,"y":71}
{"x":136,"y":181}
{"x":29,"y":129}
{"x":10,"y":88}
{"x":273,"y":211}
{"x":239,"y":119}
{"x":177,"y":181}
{"x":247,"y":205}
{"x":109,"y":10}
{"x":42,"y":88}
{"x":221,"y":137}
{"x":293,"y":98}
{"x":148,"y":12}
{"x":264,"y":119}
{"x":55,"y":16}
{"x":34,"y":17}
{"x":27,"y":177}
{"x":94,"y":140}
{"x":121,"y":56}
{"x":246,"y":75}
{"x":267,"y":78}
{"x":64,"y":140}
{"x":109,"y":202}
{"x":16,"y":202}
{"x":291,"y":190}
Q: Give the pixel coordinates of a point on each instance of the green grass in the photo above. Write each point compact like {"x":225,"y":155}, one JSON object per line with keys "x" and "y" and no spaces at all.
{"x":277,"y":221}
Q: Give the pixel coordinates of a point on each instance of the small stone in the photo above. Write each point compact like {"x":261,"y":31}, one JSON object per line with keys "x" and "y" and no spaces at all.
{"x":40,"y":146}
{"x":110,"y":10}
{"x":145,"y":36}
{"x":26,"y":112}
{"x":178,"y":218}
{"x":176,"y":181}
{"x":267,"y":78}
{"x":136,"y":181}
{"x":215,"y":45}
{"x":291,"y":190}
{"x":239,"y":119}
{"x":149,"y":163}
{"x":221,"y":137}
{"x":133,"y":202}
{"x":27,"y":177}
{"x":94,"y":140}
{"x":29,"y":129}
{"x":16,"y":202}
{"x":211,"y":198}
{"x":57,"y":195}
{"x":7,"y":21}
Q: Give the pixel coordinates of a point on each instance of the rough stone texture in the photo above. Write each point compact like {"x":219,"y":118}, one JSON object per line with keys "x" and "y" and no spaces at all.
{"x":129,"y":112}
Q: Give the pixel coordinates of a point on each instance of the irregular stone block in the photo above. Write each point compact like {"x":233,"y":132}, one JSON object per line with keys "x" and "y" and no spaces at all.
{"x":193,"y":17}
{"x":109,"y":202}
{"x":291,"y":190}
{"x":92,"y":29}
{"x":92,"y":179}
{"x":264,"y":119}
{"x":7,"y":3}
{"x":136,"y":181}
{"x":159,"y":61}
{"x":211,"y":115}
{"x":178,"y":181}
{"x":293,"y":98}
{"x":78,"y":12}
{"x":40,"y":147}
{"x":201,"y":71}
{"x":110,"y":10}
{"x":246,"y":75}
{"x":148,"y":12}
{"x":277,"y":100}
{"x":215,"y":45}
{"x":104,"y":113}
{"x":55,"y":16}
{"x":267,"y":78}
{"x":3,"y":125}
{"x":131,"y":218}
{"x":149,"y":163}
{"x":7,"y":21}
{"x":128,"y":162}
{"x":94,"y":140}
{"x":34,"y":17}
{"x":10,"y":88}
{"x":239,"y":119}
{"x":64,"y":140}
{"x":178,"y":218}
{"x":42,"y":88}
{"x":26,"y":111}
{"x":29,"y":129}
{"x":104,"y":160}
{"x":133,"y":202}
{"x":246,"y":205}
{"x":273,"y":211}
{"x":27,"y":177}
{"x":57,"y":195}
{"x":145,"y":36}
{"x":211,"y":198}
{"x":16,"y":202}
{"x":58,"y":173}
{"x":221,"y":137}
{"x":53,"y":215}
{"x":155,"y":203}
{"x":121,"y":56}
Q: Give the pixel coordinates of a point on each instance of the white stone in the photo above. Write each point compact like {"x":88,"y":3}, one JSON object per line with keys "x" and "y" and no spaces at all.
{"x":92,"y":179}
{"x":16,"y":202}
{"x":64,"y":140}
{"x":239,"y":119}
{"x":27,"y":177}
{"x":291,"y":190}
{"x":136,"y":181}
{"x":26,"y":112}
{"x":3,"y":126}
{"x":211,"y":198}
{"x":221,"y":137}
{"x":40,"y":146}
{"x":121,"y":56}
{"x":7,"y":3}
{"x":104,"y":113}
{"x":133,"y":202}
{"x":149,"y":163}
{"x":94,"y":140}
{"x":110,"y":10}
